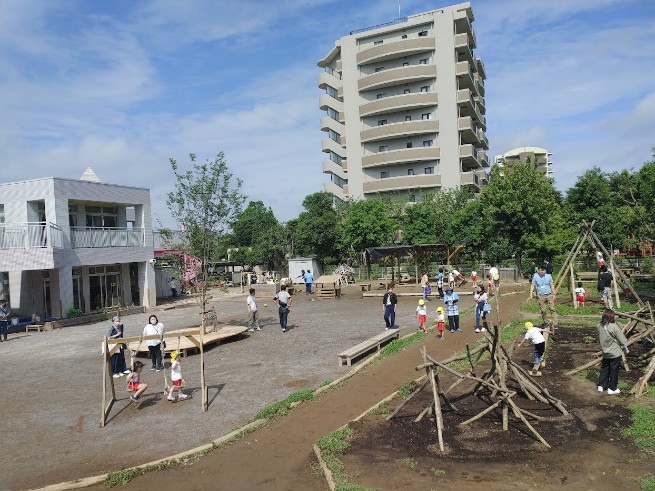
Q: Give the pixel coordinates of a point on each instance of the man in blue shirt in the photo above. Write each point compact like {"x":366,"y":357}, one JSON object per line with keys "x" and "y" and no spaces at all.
{"x":452,"y":310}
{"x":309,"y":277}
{"x":542,"y":285}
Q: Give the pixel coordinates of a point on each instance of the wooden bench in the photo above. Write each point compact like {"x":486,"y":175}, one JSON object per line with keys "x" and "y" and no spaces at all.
{"x":374,"y":342}
{"x":366,"y":287}
{"x":34,"y":327}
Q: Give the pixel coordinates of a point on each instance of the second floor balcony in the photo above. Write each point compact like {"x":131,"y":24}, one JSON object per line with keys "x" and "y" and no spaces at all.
{"x":31,"y":235}
{"x":107,"y":237}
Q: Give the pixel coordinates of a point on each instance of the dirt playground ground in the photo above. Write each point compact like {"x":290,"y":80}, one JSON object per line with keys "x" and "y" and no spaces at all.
{"x":51,"y":404}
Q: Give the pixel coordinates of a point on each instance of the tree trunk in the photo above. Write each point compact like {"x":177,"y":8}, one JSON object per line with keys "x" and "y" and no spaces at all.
{"x":517,"y":262}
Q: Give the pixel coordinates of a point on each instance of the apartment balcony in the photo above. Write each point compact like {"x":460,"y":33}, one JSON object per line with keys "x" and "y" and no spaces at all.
{"x":468,"y":130}
{"x":31,"y":235}
{"x":479,"y":84}
{"x":465,"y":74}
{"x":469,"y":156}
{"x":484,"y":159}
{"x":403,"y":183}
{"x":329,"y":78}
{"x":484,"y":142}
{"x":330,"y":187}
{"x":338,"y":66}
{"x":340,"y":91}
{"x":395,"y":49}
{"x":463,"y":47}
{"x":482,"y":105}
{"x":329,"y":145}
{"x":400,"y":156}
{"x":463,"y":26}
{"x":398,"y":130}
{"x":328,"y":123}
{"x":483,"y":176}
{"x":326,"y":101}
{"x":107,"y":237}
{"x":397,"y":103}
{"x":331,"y":167}
{"x":471,"y":178}
{"x":397,"y":76}
{"x":479,"y":65}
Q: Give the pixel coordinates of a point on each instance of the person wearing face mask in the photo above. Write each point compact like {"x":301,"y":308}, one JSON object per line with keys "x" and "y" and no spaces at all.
{"x":154,"y":345}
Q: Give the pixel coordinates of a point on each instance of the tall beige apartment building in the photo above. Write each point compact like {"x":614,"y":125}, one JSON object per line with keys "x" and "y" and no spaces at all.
{"x":405,"y":107}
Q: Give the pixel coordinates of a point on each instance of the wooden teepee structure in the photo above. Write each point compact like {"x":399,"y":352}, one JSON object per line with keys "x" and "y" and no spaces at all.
{"x":587,"y":235}
{"x":497,"y":386}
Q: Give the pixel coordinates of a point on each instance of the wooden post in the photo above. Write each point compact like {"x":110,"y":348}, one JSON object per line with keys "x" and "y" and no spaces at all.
{"x":202,"y":366}
{"x":575,"y":297}
{"x":616,"y":288}
{"x":437,"y":408}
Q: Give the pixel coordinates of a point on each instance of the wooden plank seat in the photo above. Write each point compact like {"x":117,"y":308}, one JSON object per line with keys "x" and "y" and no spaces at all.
{"x":366,"y":287}
{"x":365,"y":346}
{"x":38,"y":327}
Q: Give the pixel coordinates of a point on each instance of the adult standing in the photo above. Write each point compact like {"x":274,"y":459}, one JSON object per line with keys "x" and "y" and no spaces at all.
{"x":253,"y":313}
{"x":309,"y":277}
{"x":425,"y":282}
{"x":118,"y":367}
{"x":495,"y":277}
{"x":154,"y":327}
{"x":549,"y":267}
{"x":389,"y":302}
{"x":452,"y":310}
{"x":542,"y":285}
{"x":611,"y":340}
{"x":605,"y":282}
{"x":173,"y":286}
{"x":4,"y":320}
{"x":283,"y":302}
{"x":440,"y":282}
{"x":533,"y":269}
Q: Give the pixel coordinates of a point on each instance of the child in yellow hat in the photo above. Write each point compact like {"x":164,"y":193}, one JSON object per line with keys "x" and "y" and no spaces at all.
{"x":441,"y":321}
{"x":421,"y":313}
{"x":176,"y":377}
{"x":537,"y":339}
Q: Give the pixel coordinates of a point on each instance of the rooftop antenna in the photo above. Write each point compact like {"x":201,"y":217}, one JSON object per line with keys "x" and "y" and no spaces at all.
{"x":399,"y":17}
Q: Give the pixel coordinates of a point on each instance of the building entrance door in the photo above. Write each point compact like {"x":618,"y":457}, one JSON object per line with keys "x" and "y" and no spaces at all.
{"x":47,"y":306}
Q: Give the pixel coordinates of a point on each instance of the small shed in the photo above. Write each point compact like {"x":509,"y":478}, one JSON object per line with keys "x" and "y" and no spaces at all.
{"x":327,"y":286}
{"x":296,"y":265}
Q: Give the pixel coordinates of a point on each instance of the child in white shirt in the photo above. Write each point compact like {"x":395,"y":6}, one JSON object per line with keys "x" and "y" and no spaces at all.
{"x":441,"y":321}
{"x":176,"y":378}
{"x":534,"y":335}
{"x":421,"y":313}
{"x":579,"y":294}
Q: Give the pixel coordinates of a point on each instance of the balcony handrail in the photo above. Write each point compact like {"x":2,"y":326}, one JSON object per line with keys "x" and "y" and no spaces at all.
{"x":393,"y":22}
{"x":31,"y":235}
{"x":92,"y":237}
{"x":333,"y":72}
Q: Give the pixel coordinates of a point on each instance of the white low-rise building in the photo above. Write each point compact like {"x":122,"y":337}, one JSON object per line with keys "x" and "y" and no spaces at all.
{"x":80,"y":244}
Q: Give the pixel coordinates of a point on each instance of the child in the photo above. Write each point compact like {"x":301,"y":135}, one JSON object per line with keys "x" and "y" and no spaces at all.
{"x":450,"y":299}
{"x":440,"y":282}
{"x":253,"y":313}
{"x":474,"y":278}
{"x":421,"y":312}
{"x":627,"y":286}
{"x":599,"y":258}
{"x":451,"y":277}
{"x":176,"y":377}
{"x":539,"y":342}
{"x":489,"y":284}
{"x":134,"y":383}
{"x":440,"y":322}
{"x":579,"y":293}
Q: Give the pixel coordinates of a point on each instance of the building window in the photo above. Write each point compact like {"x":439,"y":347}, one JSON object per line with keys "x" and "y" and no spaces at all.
{"x":424,"y":61}
{"x":382,"y":122}
{"x":338,"y":180}
{"x":410,"y":144}
{"x":2,"y":213}
{"x":429,"y":170}
{"x":384,"y":174}
{"x":405,"y":63}
{"x":427,"y":143}
{"x":381,"y":95}
{"x":404,"y":36}
{"x":426,"y":116}
{"x":383,"y":148}
{"x":101,"y":216}
{"x":425,"y":88}
{"x":375,"y":43}
{"x":336,"y":158}
{"x":408,"y":118}
{"x":422,"y":34}
{"x":334,"y":136}
{"x":333,"y":114}
{"x":407,"y":91}
{"x":379,"y":69}
{"x":412,"y":198}
{"x":410,"y":172}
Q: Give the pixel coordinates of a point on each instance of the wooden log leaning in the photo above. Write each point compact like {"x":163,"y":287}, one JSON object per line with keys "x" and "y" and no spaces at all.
{"x":409,"y":398}
{"x":640,"y":387}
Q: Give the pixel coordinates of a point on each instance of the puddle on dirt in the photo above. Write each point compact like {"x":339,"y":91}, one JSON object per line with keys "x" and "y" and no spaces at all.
{"x":301,"y":382}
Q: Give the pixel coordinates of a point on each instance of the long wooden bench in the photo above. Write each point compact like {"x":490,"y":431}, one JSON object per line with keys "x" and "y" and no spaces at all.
{"x":361,"y":348}
{"x":366,"y":287}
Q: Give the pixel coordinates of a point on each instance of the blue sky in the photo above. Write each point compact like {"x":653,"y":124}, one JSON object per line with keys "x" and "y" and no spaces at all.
{"x":122,"y":86}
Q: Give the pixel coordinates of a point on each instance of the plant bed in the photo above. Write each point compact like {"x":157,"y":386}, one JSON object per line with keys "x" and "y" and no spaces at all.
{"x":97,"y":317}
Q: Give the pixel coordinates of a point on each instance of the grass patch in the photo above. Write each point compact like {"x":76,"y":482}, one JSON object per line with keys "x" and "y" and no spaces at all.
{"x":327,"y":382}
{"x":407,"y":389}
{"x":588,"y":339}
{"x":332,"y":446}
{"x":438,"y":472}
{"x":121,"y":478}
{"x":284,"y":406}
{"x":398,"y":345}
{"x":382,"y":410}
{"x":647,"y":482}
{"x":409,"y":462}
{"x":643,"y":426}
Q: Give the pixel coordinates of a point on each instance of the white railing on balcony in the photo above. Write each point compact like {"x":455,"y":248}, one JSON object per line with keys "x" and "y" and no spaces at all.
{"x":168,"y":239}
{"x":30,"y":235}
{"x":107,"y":237}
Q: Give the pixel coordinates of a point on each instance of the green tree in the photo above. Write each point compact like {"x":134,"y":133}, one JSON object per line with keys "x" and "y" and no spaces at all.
{"x":206,"y":199}
{"x":517,"y":205}
{"x":252,"y":222}
{"x":318,"y":228}
{"x":367,"y":224}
